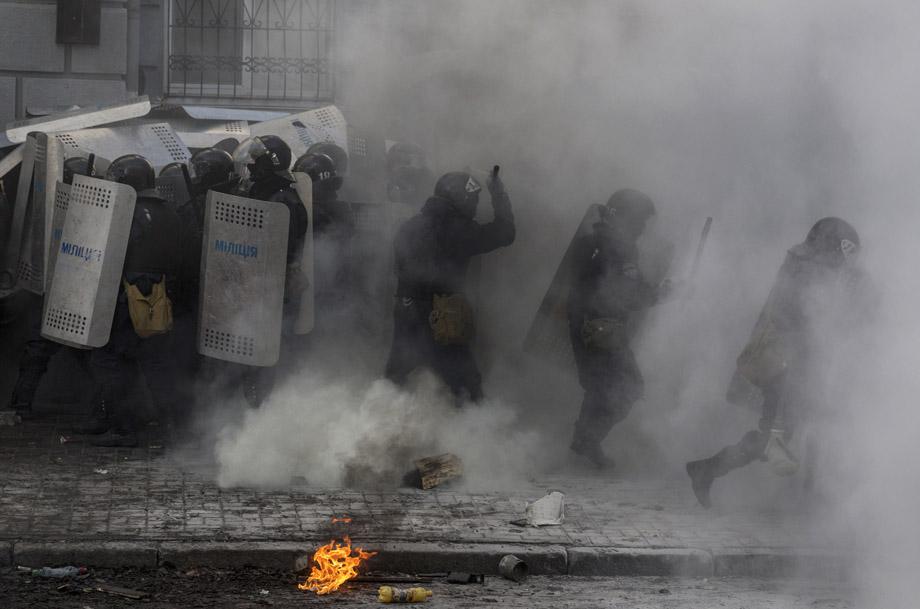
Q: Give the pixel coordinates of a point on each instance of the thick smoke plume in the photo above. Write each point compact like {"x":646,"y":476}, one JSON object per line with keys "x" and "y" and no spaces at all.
{"x":766,"y":116}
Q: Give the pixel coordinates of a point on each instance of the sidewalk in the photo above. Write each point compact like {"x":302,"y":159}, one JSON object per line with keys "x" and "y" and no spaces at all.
{"x":72,"y":503}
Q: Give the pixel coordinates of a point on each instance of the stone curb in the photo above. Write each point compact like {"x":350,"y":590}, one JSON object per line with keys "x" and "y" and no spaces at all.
{"x":102,"y":554}
{"x":470,"y":558}
{"x":649,"y":561}
{"x":778,"y":562}
{"x":437,"y":557}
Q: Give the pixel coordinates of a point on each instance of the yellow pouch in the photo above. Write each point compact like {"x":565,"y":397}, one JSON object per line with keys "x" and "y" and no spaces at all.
{"x":451,"y":320}
{"x":150,"y":315}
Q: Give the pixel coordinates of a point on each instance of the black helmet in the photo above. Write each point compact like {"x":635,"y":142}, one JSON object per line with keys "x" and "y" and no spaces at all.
{"x":407,"y":172}
{"x":461,"y":190}
{"x":322,"y":170}
{"x":133,"y":170}
{"x":77,"y":165}
{"x":211,"y":166}
{"x":334,"y":152}
{"x":402,"y":154}
{"x":173,"y":169}
{"x":260,"y":157}
{"x":631,"y":205}
{"x":833,"y":239}
{"x":228,"y":145}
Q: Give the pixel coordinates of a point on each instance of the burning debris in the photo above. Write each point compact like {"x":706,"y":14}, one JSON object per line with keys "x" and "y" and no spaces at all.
{"x":434,"y":471}
{"x":333,"y":565}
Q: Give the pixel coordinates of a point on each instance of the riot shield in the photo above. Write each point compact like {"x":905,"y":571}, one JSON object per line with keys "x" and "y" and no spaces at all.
{"x":205,"y":134}
{"x":10,"y":271}
{"x":32,"y":271}
{"x":243,"y":260}
{"x":156,"y":142}
{"x":61,"y":200}
{"x":173,"y":189}
{"x":306,"y":315}
{"x":300,"y":131}
{"x":548,"y":335}
{"x":79,"y":119}
{"x":80,"y":302}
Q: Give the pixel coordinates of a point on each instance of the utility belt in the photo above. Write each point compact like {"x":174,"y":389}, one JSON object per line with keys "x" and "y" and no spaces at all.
{"x":604,"y":333}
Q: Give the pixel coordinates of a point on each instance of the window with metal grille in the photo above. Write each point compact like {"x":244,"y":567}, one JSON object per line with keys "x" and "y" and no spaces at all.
{"x":250,"y":50}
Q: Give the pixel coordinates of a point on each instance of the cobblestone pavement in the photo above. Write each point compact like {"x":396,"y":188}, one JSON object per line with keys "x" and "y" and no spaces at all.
{"x":52,"y":491}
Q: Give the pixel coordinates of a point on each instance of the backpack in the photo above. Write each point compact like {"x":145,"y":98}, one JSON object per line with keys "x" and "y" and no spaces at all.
{"x":151,"y":314}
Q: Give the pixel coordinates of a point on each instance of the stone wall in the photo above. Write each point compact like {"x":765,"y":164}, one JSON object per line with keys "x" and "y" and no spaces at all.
{"x":37,"y":73}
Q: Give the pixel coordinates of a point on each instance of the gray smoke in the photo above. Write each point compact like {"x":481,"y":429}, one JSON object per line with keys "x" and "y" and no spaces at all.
{"x":766,"y":116}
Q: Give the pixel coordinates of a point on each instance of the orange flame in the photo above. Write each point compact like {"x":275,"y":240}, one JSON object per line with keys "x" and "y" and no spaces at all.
{"x":344,"y":519}
{"x":333,"y":565}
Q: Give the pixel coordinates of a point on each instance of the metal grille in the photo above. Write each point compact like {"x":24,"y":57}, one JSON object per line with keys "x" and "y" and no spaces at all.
{"x":261,"y":50}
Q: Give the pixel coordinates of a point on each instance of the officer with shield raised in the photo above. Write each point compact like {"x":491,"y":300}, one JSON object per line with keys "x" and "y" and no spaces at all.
{"x":819,"y":290}
{"x":39,"y":350}
{"x":335,"y":277}
{"x":607,"y":287}
{"x":433,"y":319}
{"x":263,"y":166}
{"x":143,"y":314}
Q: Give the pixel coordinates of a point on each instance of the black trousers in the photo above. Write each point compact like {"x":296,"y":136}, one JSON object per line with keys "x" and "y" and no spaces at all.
{"x":414,"y":347}
{"x":612,"y":383}
{"x":126,"y":354}
{"x":34,"y":361}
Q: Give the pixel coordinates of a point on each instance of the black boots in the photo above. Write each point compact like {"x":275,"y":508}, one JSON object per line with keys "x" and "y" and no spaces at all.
{"x":593,"y":452}
{"x":701,"y":478}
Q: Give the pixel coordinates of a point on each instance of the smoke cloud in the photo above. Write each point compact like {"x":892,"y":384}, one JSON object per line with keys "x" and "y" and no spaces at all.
{"x":765,"y":116}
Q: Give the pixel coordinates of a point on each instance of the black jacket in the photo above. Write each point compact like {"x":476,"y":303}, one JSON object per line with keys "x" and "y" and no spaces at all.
{"x":281,"y":190}
{"x":606,"y":280}
{"x":153,"y":246}
{"x":433,"y":249}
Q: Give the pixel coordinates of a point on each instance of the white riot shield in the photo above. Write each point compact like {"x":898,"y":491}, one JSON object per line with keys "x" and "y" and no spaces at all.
{"x":243,"y":261}
{"x":79,"y":119}
{"x":156,"y":142}
{"x":61,"y":200}
{"x":306,"y":315}
{"x":10,"y":272}
{"x":205,"y":134}
{"x":548,"y":335}
{"x":32,"y":271}
{"x":80,"y":302}
{"x":173,"y":189}
{"x":300,"y":131}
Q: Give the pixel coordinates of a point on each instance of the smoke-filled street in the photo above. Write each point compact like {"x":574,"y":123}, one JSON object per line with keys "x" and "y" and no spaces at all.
{"x":601,"y":302}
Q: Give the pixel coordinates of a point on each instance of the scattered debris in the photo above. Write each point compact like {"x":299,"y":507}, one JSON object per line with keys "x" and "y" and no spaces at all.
{"x":101,"y":471}
{"x":546,"y":511}
{"x":66,"y":439}
{"x":263,"y":592}
{"x":513,"y":568}
{"x":434,"y":471}
{"x":389,"y":594}
{"x":55,"y":572}
{"x":459,"y":577}
{"x":118,"y":591}
{"x":10,"y":418}
{"x":664,"y":591}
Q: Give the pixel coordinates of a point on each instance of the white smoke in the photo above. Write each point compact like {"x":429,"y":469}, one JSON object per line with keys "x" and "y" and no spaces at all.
{"x":766,"y":116}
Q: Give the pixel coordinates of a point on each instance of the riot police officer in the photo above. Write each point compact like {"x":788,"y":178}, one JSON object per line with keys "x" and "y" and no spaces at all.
{"x":143,"y":313}
{"x":333,"y":233}
{"x":817,"y":276}
{"x":263,"y":166}
{"x":433,"y":322}
{"x":213,"y":170}
{"x":607,"y":287}
{"x":38,"y":350}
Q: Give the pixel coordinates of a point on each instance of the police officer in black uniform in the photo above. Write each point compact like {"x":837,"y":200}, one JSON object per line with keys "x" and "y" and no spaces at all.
{"x":152,"y":259}
{"x":817,"y":278}
{"x":333,"y":233}
{"x":607,"y":288}
{"x":39,"y":350}
{"x":263,"y":164}
{"x":432,"y":253}
{"x":213,"y":170}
